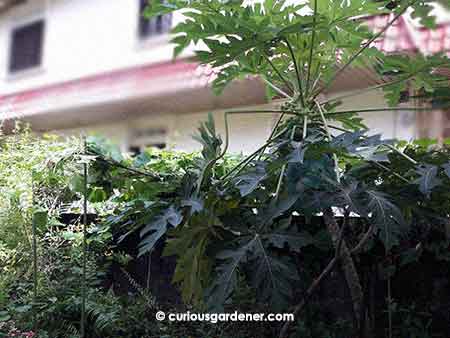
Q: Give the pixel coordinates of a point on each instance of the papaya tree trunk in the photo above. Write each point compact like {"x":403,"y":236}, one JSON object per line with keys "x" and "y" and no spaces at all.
{"x":347,"y":264}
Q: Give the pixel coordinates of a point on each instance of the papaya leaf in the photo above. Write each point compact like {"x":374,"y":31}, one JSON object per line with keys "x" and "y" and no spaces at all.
{"x":386,"y":217}
{"x":294,"y":241}
{"x":196,"y":204}
{"x":297,"y":154}
{"x":193,"y":267}
{"x":271,"y":276}
{"x":428,"y":179}
{"x":278,"y":207}
{"x":152,"y":232}
{"x":446,"y":168}
{"x":227,"y":273}
{"x":248,"y":182}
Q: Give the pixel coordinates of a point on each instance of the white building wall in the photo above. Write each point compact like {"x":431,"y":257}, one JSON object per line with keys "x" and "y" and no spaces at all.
{"x":86,"y":37}
{"x":249,"y":132}
{"x":392,"y":124}
{"x":82,"y":38}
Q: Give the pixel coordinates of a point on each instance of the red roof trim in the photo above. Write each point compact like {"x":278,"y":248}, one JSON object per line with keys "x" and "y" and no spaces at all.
{"x":141,"y":72}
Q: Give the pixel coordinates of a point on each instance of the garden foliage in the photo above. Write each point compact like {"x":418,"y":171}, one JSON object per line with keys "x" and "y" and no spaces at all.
{"x":267,"y":230}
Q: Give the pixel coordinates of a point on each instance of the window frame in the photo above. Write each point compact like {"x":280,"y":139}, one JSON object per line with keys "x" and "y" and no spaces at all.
{"x":17,"y":25}
{"x":140,"y":138}
{"x":149,"y":36}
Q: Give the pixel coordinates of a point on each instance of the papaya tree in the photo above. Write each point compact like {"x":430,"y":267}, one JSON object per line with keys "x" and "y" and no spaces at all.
{"x":319,"y":161}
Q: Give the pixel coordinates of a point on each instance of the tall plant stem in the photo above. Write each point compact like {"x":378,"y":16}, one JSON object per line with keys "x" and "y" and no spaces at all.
{"x":348,"y":266}
{"x":35,"y":258}
{"x":244,"y":162}
{"x":311,"y":50}
{"x":272,"y":133}
{"x":297,"y":73}
{"x":227,"y":138}
{"x":84,"y":281}
{"x":389,"y":291}
{"x":362,"y":49}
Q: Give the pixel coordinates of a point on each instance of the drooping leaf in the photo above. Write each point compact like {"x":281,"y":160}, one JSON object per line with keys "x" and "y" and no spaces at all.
{"x":196,"y":204}
{"x":298,"y":153}
{"x":386,"y":217}
{"x":227,"y":274}
{"x":294,"y":241}
{"x":278,"y":206}
{"x":446,"y":168}
{"x":152,"y":232}
{"x":361,"y":145}
{"x":273,"y":277}
{"x":211,"y":142}
{"x":428,"y":178}
{"x":249,"y":181}
{"x":193,"y":265}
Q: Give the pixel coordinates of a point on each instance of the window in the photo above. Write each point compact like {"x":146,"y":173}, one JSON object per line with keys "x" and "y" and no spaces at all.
{"x":154,"y":26}
{"x":147,"y":138}
{"x":26,"y":47}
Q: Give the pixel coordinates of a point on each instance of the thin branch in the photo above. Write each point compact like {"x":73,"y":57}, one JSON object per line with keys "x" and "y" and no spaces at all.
{"x":288,"y":85}
{"x":386,"y":109}
{"x":391,"y":171}
{"x":381,"y":85}
{"x":341,"y":234}
{"x":244,"y":162}
{"x":339,"y":128}
{"x":232,"y":112}
{"x":305,"y":126}
{"x":299,"y":79}
{"x":413,"y":161}
{"x":363,"y":241}
{"x":324,"y":120}
{"x":272,"y":133}
{"x":122,"y":166}
{"x":278,"y":90}
{"x":312,"y":288}
{"x":363,"y":48}
{"x":316,"y":283}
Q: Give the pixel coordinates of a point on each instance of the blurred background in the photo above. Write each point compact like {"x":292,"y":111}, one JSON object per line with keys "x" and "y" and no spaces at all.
{"x":99,"y":66}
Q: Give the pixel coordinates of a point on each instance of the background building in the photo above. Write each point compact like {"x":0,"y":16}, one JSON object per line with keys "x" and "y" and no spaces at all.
{"x":73,"y":65}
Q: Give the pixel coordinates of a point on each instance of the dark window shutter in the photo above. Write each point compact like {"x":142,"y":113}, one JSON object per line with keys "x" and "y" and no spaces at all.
{"x":167,"y":22}
{"x":26,"y":47}
{"x":154,"y":26}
